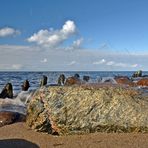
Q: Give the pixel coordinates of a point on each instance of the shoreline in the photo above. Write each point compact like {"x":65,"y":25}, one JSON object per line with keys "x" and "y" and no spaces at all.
{"x":19,"y":133}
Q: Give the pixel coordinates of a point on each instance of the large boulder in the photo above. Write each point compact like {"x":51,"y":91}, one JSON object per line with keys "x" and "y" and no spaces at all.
{"x":84,"y":109}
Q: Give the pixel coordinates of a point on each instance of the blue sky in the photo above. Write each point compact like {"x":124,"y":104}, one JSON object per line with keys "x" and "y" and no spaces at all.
{"x":99,"y":34}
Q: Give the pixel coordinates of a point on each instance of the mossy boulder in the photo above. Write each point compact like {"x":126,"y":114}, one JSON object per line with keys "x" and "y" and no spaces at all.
{"x":88,"y":108}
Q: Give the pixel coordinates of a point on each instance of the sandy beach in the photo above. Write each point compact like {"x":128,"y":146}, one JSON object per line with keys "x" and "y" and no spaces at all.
{"x":18,"y":135}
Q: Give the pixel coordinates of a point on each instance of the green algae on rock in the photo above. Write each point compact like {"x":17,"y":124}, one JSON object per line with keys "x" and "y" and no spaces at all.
{"x":85,"y":109}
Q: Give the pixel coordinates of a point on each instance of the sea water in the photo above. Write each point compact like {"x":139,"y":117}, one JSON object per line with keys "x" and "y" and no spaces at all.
{"x":18,"y":103}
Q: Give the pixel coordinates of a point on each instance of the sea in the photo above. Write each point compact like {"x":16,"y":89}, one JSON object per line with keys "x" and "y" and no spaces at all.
{"x":18,"y":104}
{"x":17,"y":78}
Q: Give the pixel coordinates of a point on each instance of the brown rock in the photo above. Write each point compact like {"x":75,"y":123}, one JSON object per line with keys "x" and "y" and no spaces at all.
{"x":10,"y":117}
{"x":25,"y":85}
{"x":124,"y":80}
{"x":143,"y":82}
{"x":72,"y":81}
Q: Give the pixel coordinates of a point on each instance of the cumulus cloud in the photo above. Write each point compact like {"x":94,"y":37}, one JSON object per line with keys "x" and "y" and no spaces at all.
{"x":44,"y":60}
{"x":7,"y":31}
{"x":53,"y":38}
{"x":77,"y":44}
{"x":99,"y":62}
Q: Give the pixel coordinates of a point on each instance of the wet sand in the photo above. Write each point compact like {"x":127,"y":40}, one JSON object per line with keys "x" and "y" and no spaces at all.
{"x":18,"y":135}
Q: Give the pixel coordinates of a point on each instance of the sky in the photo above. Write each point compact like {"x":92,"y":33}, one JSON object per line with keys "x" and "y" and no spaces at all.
{"x":73,"y":35}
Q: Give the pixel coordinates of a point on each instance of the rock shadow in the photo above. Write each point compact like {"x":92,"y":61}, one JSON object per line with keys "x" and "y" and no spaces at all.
{"x":17,"y":143}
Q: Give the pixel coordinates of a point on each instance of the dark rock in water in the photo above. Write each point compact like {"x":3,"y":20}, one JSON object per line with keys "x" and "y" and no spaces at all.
{"x":86,"y":78}
{"x":72,"y":81}
{"x":61,"y":79}
{"x":143,"y":82}
{"x":25,"y":85}
{"x":43,"y":81}
{"x":86,"y":109}
{"x":122,"y":77}
{"x":77,"y":76}
{"x":7,"y":91}
{"x":137,"y":74}
{"x":124,"y":80}
{"x":144,"y":76}
{"x":10,"y":117}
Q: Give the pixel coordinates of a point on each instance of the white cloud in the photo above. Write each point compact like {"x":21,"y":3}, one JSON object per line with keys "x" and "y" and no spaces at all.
{"x":75,"y":45}
{"x":110,"y":63}
{"x":115,"y":64}
{"x":134,"y":65}
{"x":53,"y":38}
{"x":7,"y":31}
{"x":11,"y":66}
{"x":16,"y":66}
{"x":72,"y":63}
{"x":30,"y":59}
{"x":44,"y":60}
{"x":123,"y":65}
{"x":99,"y":62}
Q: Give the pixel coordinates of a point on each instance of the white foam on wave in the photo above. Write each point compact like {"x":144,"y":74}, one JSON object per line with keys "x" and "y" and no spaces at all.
{"x":17,"y":104}
{"x":107,"y":79}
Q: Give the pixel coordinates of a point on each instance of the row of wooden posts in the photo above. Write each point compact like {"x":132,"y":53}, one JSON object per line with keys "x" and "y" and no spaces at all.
{"x":7,"y":91}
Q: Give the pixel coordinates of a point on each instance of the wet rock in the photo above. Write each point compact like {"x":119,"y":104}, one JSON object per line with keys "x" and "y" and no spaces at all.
{"x":143,"y":82}
{"x":124,"y":80}
{"x":43,"y":81}
{"x":61,"y":79}
{"x":77,"y":76}
{"x":137,"y":74}
{"x":72,"y":81}
{"x":10,"y":117}
{"x":25,"y":85}
{"x":78,"y":110}
{"x":107,"y":80}
{"x":7,"y":91}
{"x":86,"y":78}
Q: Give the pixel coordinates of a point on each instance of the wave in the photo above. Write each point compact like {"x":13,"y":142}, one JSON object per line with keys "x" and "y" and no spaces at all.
{"x":17,"y":104}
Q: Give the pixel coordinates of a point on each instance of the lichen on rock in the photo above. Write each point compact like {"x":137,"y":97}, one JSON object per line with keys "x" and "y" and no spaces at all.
{"x":86,"y":109}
